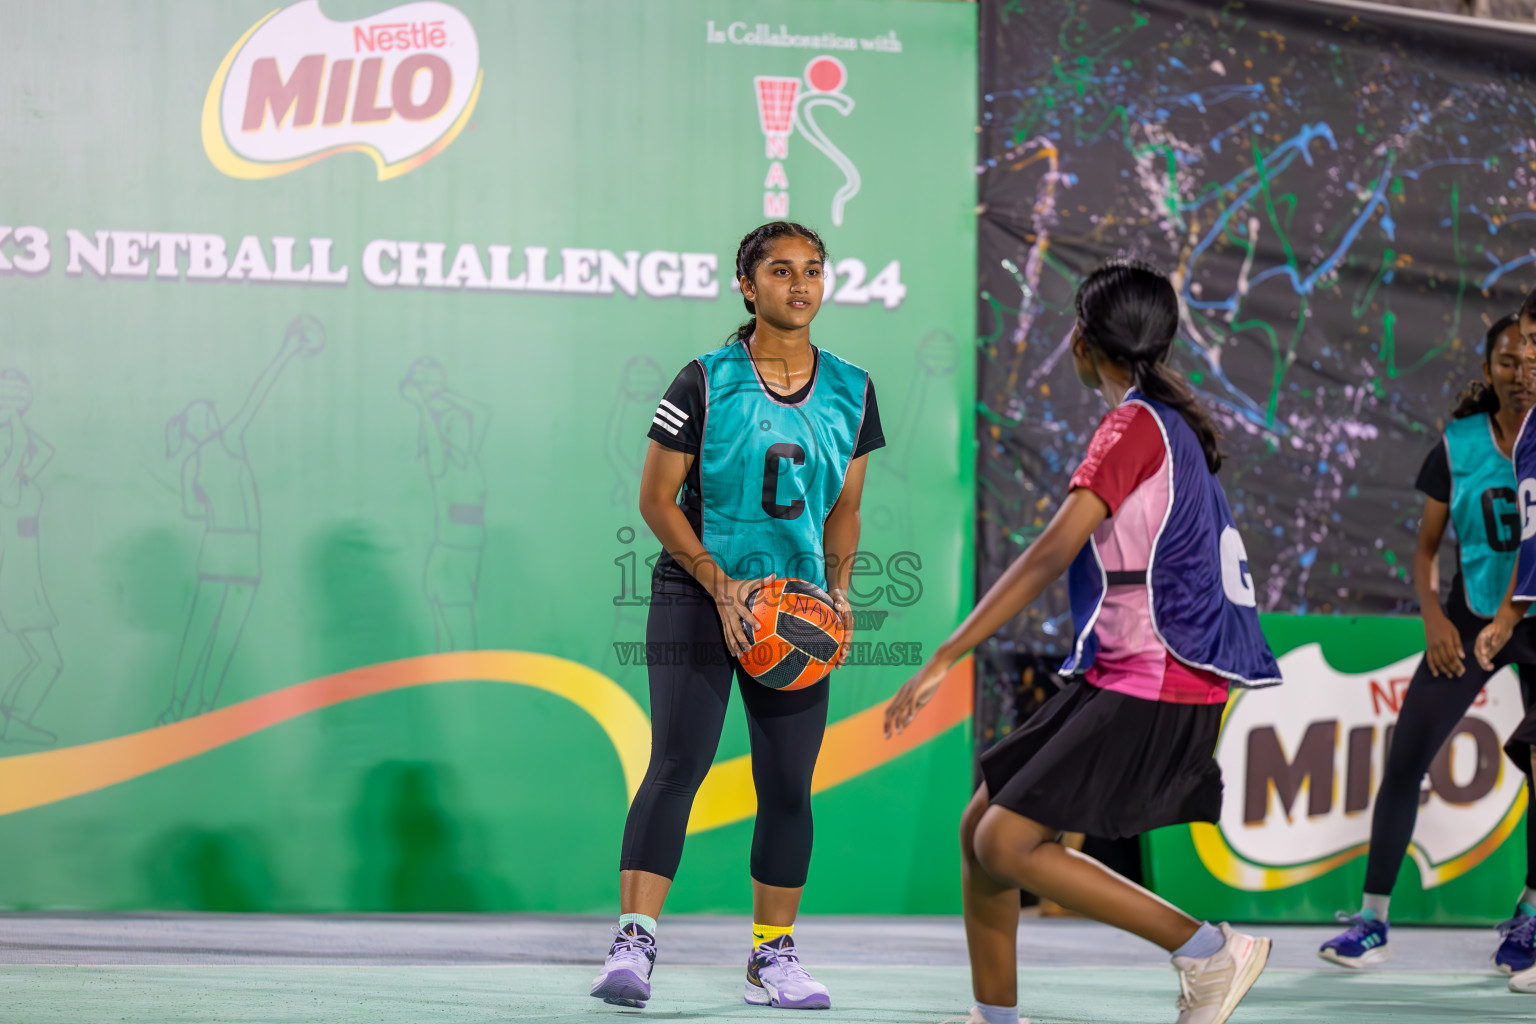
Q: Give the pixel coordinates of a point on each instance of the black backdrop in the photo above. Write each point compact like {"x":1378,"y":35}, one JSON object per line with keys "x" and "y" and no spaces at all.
{"x":1348,"y":202}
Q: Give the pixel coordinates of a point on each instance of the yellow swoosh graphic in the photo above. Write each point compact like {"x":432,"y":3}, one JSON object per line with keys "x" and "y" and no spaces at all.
{"x":32,"y":780}
{"x":1220,"y":859}
{"x":852,"y":746}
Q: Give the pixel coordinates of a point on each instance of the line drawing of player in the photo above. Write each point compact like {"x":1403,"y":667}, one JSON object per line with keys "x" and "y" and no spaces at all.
{"x":24,"y":607}
{"x":218,"y":487}
{"x":640,"y":388}
{"x":936,"y":358}
{"x":453,"y":429}
{"x":934,"y":362}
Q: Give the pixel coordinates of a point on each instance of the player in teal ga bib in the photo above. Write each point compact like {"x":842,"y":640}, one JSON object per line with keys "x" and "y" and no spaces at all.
{"x":1468,"y":482}
{"x":755,"y":469}
{"x":1484,"y":510}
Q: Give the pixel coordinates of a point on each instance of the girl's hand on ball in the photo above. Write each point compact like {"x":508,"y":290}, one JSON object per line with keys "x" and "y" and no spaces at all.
{"x":731,"y":603}
{"x":913,"y":696}
{"x":844,"y":612}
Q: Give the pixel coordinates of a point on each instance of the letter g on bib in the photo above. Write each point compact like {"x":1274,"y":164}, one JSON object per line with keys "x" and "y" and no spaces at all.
{"x":1235,"y":577}
{"x":1527,"y":503}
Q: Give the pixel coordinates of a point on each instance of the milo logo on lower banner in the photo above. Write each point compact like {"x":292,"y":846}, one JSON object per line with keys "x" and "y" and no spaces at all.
{"x":1302,"y":763}
{"x":299,"y":87}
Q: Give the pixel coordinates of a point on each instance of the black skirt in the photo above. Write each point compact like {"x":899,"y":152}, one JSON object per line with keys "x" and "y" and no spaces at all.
{"x":1108,"y":764}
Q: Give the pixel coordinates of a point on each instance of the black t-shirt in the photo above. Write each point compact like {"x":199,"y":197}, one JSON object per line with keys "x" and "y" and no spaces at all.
{"x":1434,"y":481}
{"x":678,"y":424}
{"x":1435,"y":475}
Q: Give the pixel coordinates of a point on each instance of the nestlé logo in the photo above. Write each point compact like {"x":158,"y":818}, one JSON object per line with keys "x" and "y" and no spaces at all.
{"x":299,"y":87}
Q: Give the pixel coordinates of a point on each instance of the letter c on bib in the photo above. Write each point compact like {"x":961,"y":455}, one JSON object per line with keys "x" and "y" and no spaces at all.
{"x":1235,"y":577}
{"x":1527,"y":508}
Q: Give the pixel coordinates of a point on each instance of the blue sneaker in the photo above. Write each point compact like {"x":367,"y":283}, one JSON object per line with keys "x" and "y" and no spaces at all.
{"x":1518,"y":950}
{"x":1364,"y":944}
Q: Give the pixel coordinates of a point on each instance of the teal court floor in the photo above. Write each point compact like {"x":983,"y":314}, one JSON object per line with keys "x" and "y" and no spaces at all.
{"x":168,"y":969}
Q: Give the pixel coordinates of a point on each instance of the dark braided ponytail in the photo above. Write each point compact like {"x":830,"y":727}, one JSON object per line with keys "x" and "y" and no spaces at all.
{"x":1479,"y":396}
{"x":754,"y":250}
{"x":1130,"y":312}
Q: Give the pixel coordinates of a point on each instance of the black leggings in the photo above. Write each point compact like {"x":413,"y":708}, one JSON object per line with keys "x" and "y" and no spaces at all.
{"x":1431,"y":710}
{"x":690,"y":686}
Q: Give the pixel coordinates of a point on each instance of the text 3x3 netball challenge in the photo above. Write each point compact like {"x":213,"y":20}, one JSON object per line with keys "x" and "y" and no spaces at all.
{"x":399,"y":87}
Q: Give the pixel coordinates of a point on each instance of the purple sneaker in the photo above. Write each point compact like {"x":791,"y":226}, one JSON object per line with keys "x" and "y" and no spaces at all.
{"x":1518,"y":950}
{"x":626,"y":976}
{"x":775,"y":977}
{"x":1365,"y":943}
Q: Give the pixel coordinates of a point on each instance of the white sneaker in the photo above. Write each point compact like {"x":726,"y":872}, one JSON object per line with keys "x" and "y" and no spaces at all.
{"x":1211,"y":988}
{"x":975,"y":1017}
{"x":1524,"y":981}
{"x":626,"y":976}
{"x":775,"y":977}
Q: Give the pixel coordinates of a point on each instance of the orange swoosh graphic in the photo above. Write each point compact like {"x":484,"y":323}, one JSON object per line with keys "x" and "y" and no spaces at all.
{"x":32,"y":780}
{"x":853,"y":746}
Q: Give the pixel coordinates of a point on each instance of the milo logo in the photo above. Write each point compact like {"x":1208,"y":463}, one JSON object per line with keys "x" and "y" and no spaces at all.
{"x":1302,"y":763}
{"x":299,"y":87}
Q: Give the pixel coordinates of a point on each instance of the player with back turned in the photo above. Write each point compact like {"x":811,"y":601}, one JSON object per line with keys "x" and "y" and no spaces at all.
{"x":1165,"y":620}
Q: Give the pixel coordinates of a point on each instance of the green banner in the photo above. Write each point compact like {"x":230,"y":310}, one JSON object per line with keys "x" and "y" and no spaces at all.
{"x":1301,"y":764}
{"x":332,"y":334}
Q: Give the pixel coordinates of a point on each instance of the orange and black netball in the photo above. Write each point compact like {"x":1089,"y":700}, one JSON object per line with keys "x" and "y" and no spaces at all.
{"x":796,"y":634}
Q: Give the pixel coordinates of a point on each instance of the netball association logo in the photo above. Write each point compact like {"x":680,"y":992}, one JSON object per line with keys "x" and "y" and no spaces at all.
{"x":299,"y":87}
{"x":1302,"y":763}
{"x":786,"y":104}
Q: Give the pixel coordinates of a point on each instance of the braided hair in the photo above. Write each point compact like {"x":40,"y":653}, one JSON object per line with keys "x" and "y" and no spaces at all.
{"x":1129,"y":311}
{"x":1528,"y":307}
{"x":1478,"y":396}
{"x":754,"y":250}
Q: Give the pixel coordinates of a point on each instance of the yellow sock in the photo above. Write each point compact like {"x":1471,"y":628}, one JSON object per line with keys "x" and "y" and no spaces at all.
{"x":762,"y":934}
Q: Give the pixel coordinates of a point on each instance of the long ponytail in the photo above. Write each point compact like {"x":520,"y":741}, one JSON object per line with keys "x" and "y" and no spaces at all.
{"x":1162,"y":383}
{"x":1130,"y":312}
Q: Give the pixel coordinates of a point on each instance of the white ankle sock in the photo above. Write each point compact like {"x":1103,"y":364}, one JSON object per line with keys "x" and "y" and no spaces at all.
{"x":999,"y":1014}
{"x":1207,"y":941}
{"x":648,"y":923}
{"x":1376,"y":906}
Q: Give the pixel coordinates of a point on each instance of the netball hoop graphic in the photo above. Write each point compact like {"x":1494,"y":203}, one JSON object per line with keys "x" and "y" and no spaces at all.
{"x":776,"y":97}
{"x":784,"y":104}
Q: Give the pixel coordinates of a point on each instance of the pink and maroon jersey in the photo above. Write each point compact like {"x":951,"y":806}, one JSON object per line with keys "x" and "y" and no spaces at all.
{"x":1126,"y":466}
